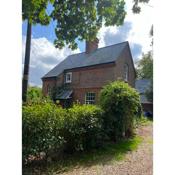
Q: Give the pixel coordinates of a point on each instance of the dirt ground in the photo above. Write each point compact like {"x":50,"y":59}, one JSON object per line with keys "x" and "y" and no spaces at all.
{"x":139,"y":162}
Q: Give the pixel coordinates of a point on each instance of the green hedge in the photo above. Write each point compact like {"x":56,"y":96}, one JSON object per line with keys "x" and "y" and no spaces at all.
{"x":83,"y":127}
{"x":48,"y":128}
{"x":41,"y":127}
{"x":51,"y":129}
{"x":121,"y":104}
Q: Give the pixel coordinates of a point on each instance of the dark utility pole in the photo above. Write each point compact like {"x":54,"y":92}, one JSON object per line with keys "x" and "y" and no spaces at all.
{"x":26,"y":63}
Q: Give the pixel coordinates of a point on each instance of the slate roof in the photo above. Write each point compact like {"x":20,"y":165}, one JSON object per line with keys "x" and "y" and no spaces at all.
{"x":142,"y":85}
{"x":100,"y":56}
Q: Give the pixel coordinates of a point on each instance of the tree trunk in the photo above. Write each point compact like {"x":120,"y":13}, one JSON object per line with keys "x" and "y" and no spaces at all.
{"x":26,"y":63}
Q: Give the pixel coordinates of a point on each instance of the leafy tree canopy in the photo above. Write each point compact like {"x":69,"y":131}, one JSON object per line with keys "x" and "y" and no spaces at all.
{"x":34,"y":93}
{"x":145,"y":67}
{"x":35,"y":96}
{"x":35,"y":11}
{"x":77,"y":19}
{"x":136,"y":8}
{"x":145,"y":70}
{"x":82,"y":19}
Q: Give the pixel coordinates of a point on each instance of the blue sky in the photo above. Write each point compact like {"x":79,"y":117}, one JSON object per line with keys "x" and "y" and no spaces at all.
{"x":44,"y":56}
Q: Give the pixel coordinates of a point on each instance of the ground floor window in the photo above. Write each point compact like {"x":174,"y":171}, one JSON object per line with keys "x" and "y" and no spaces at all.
{"x":90,"y":98}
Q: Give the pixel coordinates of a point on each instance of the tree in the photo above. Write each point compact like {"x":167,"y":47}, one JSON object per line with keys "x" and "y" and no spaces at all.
{"x":34,"y":11}
{"x":145,"y":71}
{"x":76,"y":19}
{"x":34,"y":94}
{"x":81,"y":19}
{"x":151,"y":35}
{"x":136,"y":8}
{"x":145,"y":67}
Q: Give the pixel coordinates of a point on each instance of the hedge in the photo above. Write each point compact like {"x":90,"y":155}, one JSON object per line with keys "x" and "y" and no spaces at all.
{"x":83,"y":127}
{"x":48,"y":128}
{"x":41,"y":126}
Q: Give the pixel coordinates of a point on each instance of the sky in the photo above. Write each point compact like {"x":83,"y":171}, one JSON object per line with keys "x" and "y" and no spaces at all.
{"x":44,"y":56}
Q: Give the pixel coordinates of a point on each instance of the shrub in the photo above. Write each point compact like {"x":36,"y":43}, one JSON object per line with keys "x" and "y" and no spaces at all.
{"x":83,"y":127}
{"x":121,"y":104}
{"x":50,"y":129}
{"x":41,"y":125}
{"x":35,"y":96}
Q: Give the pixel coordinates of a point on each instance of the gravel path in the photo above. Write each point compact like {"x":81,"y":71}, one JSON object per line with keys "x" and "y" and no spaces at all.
{"x":137,"y":162}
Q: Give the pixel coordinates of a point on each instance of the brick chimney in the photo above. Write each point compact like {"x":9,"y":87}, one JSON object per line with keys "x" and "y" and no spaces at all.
{"x":91,"y":45}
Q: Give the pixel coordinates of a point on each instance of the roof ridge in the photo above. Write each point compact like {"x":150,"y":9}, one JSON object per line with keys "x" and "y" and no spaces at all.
{"x":69,"y":59}
{"x":113,"y":44}
{"x":99,"y":48}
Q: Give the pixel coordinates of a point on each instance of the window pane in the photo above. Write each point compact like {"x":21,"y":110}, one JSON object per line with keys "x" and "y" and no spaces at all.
{"x":90,"y":98}
{"x":68,"y":77}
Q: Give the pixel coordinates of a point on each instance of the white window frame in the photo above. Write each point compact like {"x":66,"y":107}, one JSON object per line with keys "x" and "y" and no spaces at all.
{"x":49,"y":90}
{"x":126,"y":72}
{"x":91,"y":98}
{"x":68,"y":80}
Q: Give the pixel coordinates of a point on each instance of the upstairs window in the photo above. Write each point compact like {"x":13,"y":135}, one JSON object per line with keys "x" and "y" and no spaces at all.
{"x":69,"y":77}
{"x":49,"y":90}
{"x":126,"y":72}
{"x":90,"y":98}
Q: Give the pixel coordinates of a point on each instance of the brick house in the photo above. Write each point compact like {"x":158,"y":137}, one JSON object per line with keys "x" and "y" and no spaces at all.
{"x":80,"y":77}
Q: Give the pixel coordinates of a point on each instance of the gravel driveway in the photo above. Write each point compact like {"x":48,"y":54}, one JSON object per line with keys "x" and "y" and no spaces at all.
{"x":139,"y":162}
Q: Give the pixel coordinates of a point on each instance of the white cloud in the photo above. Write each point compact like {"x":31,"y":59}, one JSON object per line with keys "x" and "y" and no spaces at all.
{"x":136,"y":30}
{"x":43,"y":57}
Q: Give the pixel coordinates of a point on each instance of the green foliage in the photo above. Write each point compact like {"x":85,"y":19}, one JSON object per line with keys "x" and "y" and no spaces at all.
{"x":41,"y":125}
{"x":145,"y":67}
{"x":142,"y":121}
{"x":77,"y":19}
{"x":48,"y":128}
{"x":136,"y":8}
{"x":83,"y":127}
{"x":35,"y":96}
{"x":145,"y":70}
{"x":121,"y":104}
{"x":35,"y":11}
{"x":107,"y":154}
{"x":81,"y":19}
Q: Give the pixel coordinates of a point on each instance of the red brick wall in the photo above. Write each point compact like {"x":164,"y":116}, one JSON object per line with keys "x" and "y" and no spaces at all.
{"x":52,"y":82}
{"x":92,"y":79}
{"x":79,"y":94}
{"x":49,"y":81}
{"x":119,"y":71}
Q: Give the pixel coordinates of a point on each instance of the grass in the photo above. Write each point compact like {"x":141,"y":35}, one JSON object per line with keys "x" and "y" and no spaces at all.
{"x":109,"y":153}
{"x":143,"y":121}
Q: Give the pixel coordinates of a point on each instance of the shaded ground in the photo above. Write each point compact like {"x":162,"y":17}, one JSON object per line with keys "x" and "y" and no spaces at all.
{"x":133,"y":157}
